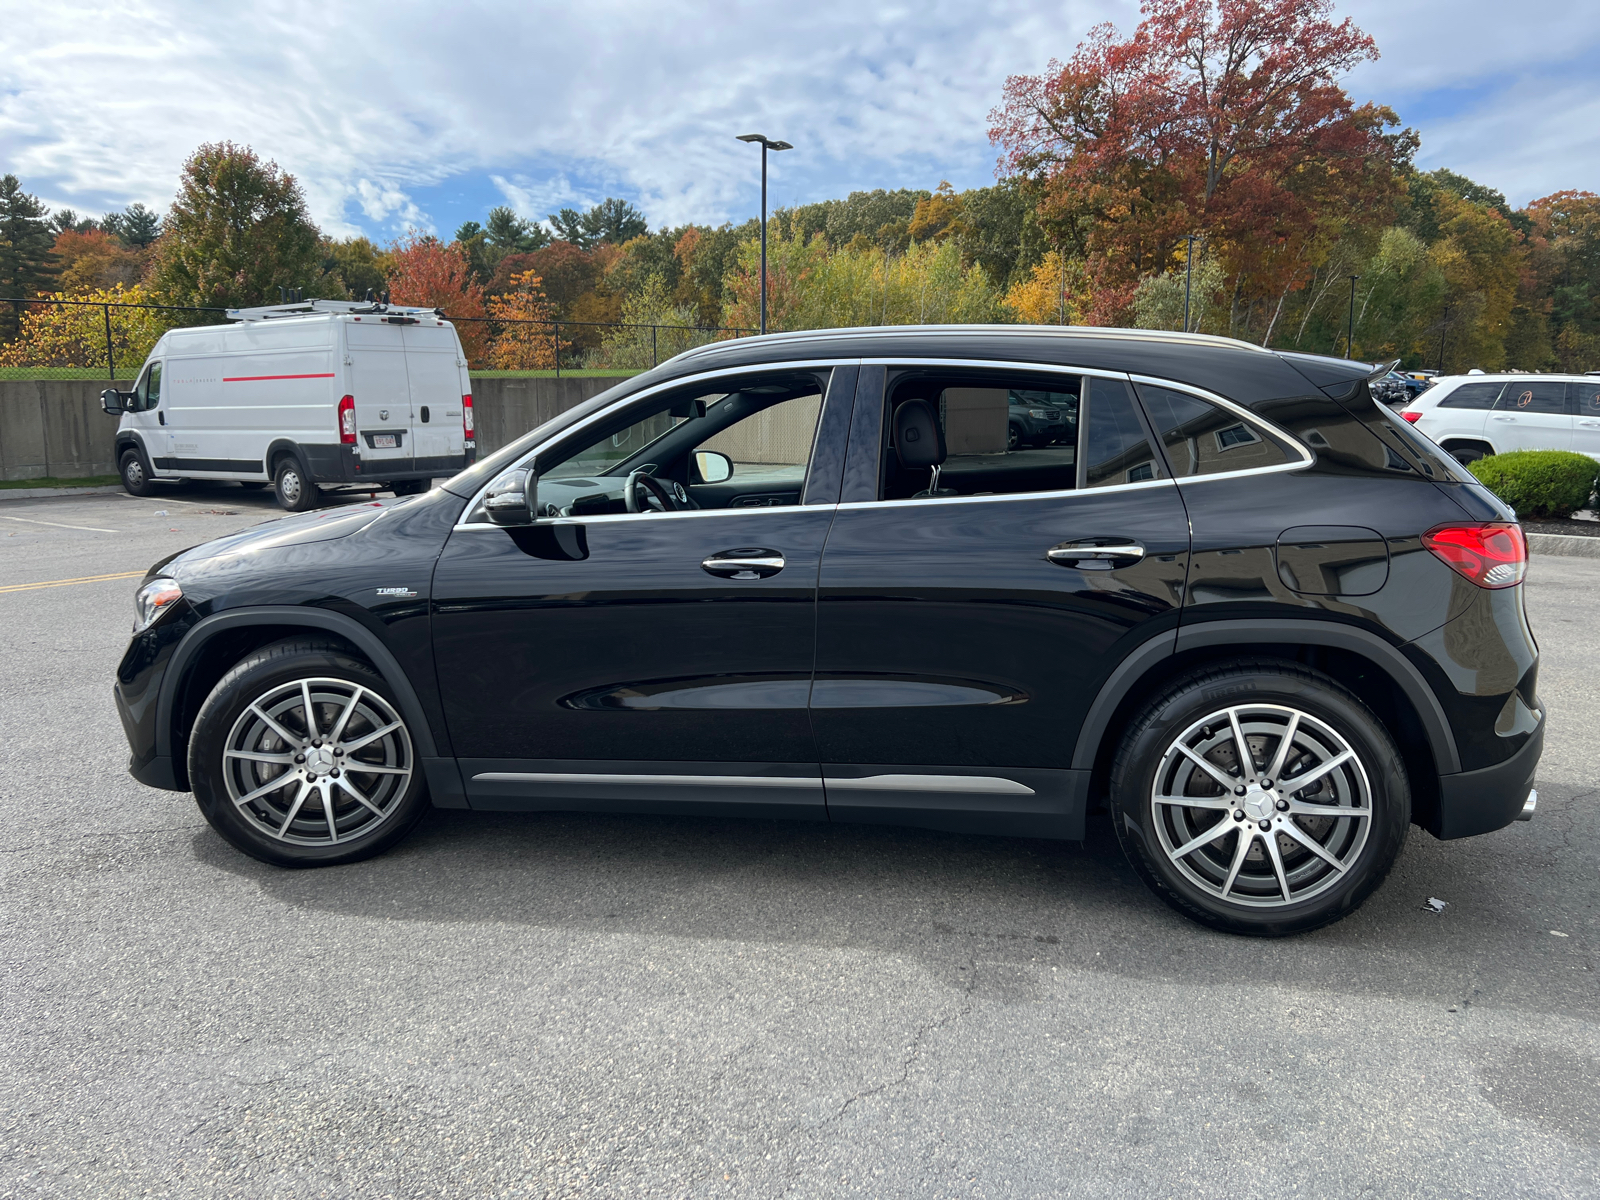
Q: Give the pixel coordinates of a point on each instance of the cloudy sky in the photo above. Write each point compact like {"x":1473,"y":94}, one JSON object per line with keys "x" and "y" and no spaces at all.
{"x":403,"y":114}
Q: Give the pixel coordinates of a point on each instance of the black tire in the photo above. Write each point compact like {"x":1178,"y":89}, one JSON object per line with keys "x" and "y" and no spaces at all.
{"x":226,"y":716}
{"x":1466,"y":455}
{"x":409,"y":487}
{"x":294,"y":490}
{"x":135,"y":473}
{"x":1014,"y":438}
{"x":1253,"y":901}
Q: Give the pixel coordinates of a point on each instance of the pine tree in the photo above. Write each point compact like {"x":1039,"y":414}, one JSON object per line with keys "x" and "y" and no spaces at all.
{"x":26,"y":264}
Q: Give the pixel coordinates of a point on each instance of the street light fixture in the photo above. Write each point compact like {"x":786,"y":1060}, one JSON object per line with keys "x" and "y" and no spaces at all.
{"x":766,"y":144}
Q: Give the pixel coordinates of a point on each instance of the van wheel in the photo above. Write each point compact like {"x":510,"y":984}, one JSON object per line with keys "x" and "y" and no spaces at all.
{"x":294,"y":491}
{"x":135,"y":473}
{"x":1260,"y":798}
{"x":409,"y":487}
{"x":252,"y":485}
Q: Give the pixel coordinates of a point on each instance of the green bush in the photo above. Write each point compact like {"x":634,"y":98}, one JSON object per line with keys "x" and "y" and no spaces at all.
{"x":1539,"y":483}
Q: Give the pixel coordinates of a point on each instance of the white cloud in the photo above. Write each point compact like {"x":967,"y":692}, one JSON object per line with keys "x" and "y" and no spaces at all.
{"x":372,"y":106}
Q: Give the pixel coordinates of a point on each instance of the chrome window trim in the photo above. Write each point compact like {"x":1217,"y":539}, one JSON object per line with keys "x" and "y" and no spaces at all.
{"x":614,"y":518}
{"x":645,"y":393}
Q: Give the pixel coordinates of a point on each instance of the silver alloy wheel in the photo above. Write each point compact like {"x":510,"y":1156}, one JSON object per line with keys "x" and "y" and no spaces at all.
{"x":1262,"y":805}
{"x":318,"y":762}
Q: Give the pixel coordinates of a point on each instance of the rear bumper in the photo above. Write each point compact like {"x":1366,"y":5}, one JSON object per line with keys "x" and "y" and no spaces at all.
{"x":1473,"y":802}
{"x":341,"y":464}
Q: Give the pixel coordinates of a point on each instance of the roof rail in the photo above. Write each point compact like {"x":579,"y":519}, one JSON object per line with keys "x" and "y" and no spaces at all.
{"x":307,"y":308}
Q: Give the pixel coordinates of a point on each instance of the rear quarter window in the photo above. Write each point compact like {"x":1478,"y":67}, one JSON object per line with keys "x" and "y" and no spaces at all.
{"x":1202,"y":438}
{"x":1472,"y":395}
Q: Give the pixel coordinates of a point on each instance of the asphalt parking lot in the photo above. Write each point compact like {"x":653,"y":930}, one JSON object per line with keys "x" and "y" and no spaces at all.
{"x":622,"y":1006}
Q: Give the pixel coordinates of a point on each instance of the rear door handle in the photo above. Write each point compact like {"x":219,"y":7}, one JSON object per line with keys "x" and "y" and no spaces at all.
{"x":744,"y":564}
{"x":1102,"y":554}
{"x":1505,"y":418}
{"x":1590,"y":424}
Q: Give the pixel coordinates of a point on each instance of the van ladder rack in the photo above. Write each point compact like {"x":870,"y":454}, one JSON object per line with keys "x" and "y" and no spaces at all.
{"x":308,"y":308}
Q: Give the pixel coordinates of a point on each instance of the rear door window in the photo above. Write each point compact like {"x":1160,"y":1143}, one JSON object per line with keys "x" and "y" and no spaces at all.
{"x":1585,"y":398}
{"x":1202,"y":438}
{"x":1117,"y":447}
{"x":1472,"y":395}
{"x":1533,"y":396}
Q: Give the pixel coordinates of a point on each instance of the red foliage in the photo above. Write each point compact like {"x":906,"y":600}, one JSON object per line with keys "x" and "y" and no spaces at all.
{"x":429,"y":273}
{"x":1219,"y":119}
{"x":566,"y":270}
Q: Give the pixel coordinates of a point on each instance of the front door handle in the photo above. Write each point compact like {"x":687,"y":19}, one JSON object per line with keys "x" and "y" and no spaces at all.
{"x":744,"y":564}
{"x":1505,"y":418}
{"x":1101,"y":554}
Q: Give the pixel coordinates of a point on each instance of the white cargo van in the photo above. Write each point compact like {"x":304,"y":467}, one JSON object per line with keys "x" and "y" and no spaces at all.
{"x":302,"y":396}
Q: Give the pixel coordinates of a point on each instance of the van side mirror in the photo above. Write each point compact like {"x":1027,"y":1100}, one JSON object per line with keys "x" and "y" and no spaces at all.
{"x":511,"y":499}
{"x":712,"y":466}
{"x":114,"y":402}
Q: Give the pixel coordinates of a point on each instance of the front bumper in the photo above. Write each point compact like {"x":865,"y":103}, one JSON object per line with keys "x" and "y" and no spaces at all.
{"x":1473,"y":802}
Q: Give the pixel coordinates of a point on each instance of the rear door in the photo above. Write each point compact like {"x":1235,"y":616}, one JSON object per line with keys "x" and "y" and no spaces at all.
{"x":1531,"y":414}
{"x":965,"y":623}
{"x":382,"y":391}
{"x":433,"y":367}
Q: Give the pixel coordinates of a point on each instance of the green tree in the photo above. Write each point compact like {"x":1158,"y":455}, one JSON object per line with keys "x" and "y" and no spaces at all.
{"x":136,"y":225}
{"x":613,"y":221}
{"x":359,"y":265}
{"x":510,"y":234}
{"x":237,"y":232}
{"x":27,"y":265}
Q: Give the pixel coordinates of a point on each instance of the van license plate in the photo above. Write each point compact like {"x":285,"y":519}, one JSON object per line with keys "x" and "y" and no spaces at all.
{"x":383,"y":441}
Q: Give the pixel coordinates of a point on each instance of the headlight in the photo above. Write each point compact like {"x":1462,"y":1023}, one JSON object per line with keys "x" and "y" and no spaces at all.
{"x":153,"y":600}
{"x":1038,"y":414}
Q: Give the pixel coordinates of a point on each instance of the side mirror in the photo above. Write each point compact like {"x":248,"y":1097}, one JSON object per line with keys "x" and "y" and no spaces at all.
{"x":113,"y":401}
{"x":713,"y":466}
{"x":509,"y":502}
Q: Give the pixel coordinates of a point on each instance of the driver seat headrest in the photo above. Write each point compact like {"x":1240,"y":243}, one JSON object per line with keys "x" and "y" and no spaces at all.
{"x":918,"y":440}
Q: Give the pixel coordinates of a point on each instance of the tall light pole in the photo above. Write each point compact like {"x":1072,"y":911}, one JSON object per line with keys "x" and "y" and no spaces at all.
{"x":1188,"y":275}
{"x":1350,"y":330}
{"x":765,"y":146}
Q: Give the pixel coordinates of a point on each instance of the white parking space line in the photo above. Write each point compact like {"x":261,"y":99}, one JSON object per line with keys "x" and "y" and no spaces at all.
{"x":59,"y":524}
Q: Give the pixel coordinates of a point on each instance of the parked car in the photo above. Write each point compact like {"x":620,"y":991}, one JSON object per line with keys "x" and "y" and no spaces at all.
{"x":1399,"y":388}
{"x":302,"y":396}
{"x":1478,"y":415}
{"x":1254,"y":614}
{"x":1037,"y":419}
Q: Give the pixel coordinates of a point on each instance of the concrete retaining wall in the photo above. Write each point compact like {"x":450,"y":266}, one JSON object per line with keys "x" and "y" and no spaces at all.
{"x":56,"y":427}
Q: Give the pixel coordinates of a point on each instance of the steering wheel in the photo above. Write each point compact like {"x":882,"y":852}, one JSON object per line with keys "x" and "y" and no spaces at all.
{"x":659,"y":496}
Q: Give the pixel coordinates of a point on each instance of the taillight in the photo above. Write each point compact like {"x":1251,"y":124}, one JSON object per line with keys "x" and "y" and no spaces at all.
{"x":347,"y":420}
{"x":1412,"y":415}
{"x":467,"y":426}
{"x":1492,"y":555}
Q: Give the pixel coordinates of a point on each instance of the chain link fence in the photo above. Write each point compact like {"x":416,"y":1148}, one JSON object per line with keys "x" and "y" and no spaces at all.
{"x":92,"y":339}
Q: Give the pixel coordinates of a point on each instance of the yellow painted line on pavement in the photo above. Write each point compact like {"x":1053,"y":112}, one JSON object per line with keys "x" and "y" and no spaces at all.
{"x":28,"y":587}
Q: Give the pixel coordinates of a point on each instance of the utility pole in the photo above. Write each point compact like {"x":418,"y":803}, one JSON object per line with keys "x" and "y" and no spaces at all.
{"x":1188,"y":277}
{"x":1443,"y":326}
{"x":1350,"y":330}
{"x":765,"y":146}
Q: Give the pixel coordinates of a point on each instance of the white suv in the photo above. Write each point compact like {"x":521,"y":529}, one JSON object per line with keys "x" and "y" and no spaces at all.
{"x":1473,"y":416}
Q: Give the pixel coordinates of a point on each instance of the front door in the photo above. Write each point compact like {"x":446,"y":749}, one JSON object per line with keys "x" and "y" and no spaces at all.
{"x":382,"y":391}
{"x":1584,"y":400}
{"x":966,"y":618}
{"x":615,"y":659}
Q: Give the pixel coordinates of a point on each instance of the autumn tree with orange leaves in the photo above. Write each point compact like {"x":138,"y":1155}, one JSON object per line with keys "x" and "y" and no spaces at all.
{"x":431,"y":274}
{"x":1220,"y":119}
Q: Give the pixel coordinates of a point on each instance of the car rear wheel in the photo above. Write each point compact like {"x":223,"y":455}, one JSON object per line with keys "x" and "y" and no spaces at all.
{"x":294,"y":491}
{"x":1262,"y":798}
{"x":135,"y":473}
{"x":300,"y":757}
{"x":1466,"y":453}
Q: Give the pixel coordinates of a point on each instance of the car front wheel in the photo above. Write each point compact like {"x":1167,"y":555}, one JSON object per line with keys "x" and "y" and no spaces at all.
{"x":300,"y":757}
{"x":1260,"y":798}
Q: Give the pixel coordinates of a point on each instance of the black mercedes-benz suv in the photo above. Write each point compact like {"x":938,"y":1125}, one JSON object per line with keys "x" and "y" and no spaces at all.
{"x":1243,"y":607}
